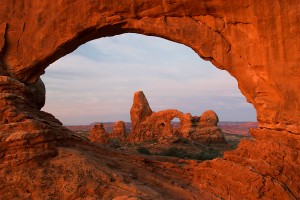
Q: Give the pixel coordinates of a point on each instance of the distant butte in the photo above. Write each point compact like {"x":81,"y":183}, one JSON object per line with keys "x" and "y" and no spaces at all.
{"x":256,"y":41}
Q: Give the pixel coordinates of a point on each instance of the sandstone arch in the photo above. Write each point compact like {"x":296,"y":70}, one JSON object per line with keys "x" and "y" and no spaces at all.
{"x":257,"y":42}
{"x":233,"y":38}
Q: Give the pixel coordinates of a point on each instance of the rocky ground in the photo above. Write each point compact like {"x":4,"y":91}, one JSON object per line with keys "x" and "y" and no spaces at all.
{"x":233,"y":132}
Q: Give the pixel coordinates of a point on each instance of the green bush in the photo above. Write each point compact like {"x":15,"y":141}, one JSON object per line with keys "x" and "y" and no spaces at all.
{"x":175,"y":152}
{"x":143,"y":150}
{"x":207,"y":155}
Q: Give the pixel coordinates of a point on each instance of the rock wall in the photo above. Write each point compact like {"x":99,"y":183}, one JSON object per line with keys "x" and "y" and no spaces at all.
{"x":257,"y":42}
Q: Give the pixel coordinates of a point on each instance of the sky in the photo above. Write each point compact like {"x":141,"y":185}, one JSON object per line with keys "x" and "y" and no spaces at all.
{"x":96,"y":82}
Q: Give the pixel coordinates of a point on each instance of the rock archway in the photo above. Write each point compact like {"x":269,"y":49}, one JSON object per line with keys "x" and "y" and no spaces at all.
{"x":257,"y":42}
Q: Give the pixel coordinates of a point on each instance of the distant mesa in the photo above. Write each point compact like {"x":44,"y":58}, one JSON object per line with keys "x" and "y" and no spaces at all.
{"x":148,"y":125}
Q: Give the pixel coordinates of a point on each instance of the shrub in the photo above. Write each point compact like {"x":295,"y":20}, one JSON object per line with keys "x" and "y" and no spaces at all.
{"x":175,"y":152}
{"x":143,"y":150}
{"x":153,"y":141}
{"x":207,"y":155}
{"x":114,"y":143}
{"x":182,"y":140}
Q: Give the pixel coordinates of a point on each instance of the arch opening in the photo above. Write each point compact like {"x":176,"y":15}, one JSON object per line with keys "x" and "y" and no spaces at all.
{"x":186,"y":87}
{"x":180,"y":71}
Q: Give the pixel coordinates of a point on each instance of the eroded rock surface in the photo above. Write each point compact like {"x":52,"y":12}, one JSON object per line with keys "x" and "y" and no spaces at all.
{"x":140,"y":109}
{"x":158,"y":125}
{"x":119,"y":131}
{"x":98,"y":134}
{"x":256,"y":41}
{"x":246,"y":38}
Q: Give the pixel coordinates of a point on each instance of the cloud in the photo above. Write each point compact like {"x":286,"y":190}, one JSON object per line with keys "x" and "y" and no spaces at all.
{"x":97,"y":81}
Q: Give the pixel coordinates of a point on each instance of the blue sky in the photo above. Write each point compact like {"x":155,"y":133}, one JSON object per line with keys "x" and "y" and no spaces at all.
{"x":97,"y":81}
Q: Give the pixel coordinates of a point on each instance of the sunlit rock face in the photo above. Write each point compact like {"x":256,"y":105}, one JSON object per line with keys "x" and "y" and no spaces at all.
{"x":244,"y":38}
{"x":149,"y":125}
{"x":140,"y":109}
{"x":98,"y":134}
{"x":119,"y":131}
{"x":257,"y":42}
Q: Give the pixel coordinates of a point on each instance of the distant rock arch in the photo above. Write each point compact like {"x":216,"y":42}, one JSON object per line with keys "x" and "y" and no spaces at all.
{"x":149,"y":125}
{"x":229,"y":38}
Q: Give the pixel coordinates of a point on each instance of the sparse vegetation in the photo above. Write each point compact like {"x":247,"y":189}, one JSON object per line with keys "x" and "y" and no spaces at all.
{"x":207,"y":155}
{"x":175,"y":152}
{"x":153,"y":141}
{"x":182,"y":148}
{"x":233,"y":139}
{"x":182,"y":140}
{"x":114,"y":143}
{"x":183,"y":154}
{"x":143,"y":150}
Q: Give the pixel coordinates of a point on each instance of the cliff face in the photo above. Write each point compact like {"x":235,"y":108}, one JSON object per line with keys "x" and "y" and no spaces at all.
{"x":257,"y":42}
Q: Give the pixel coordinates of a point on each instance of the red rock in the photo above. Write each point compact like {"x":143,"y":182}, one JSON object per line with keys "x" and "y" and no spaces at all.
{"x":257,"y":42}
{"x":158,"y":125}
{"x":234,"y":38}
{"x":119,"y":130}
{"x":209,"y":118}
{"x":140,"y":109}
{"x":98,"y":134}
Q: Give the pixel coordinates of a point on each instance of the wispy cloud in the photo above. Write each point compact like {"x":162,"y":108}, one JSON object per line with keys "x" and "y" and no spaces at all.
{"x":97,"y":81}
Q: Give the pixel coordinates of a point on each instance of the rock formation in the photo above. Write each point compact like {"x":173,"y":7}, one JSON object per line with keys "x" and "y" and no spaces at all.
{"x":150,"y":125}
{"x":119,"y":130}
{"x":98,"y":134}
{"x":140,"y":109}
{"x":209,"y":118}
{"x":257,"y":42}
